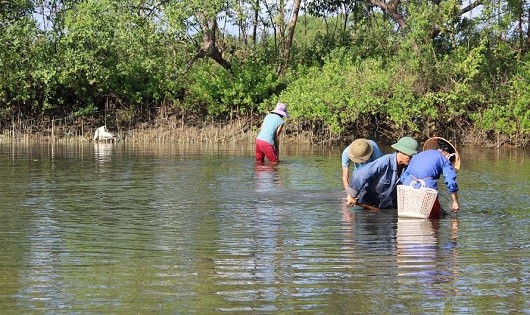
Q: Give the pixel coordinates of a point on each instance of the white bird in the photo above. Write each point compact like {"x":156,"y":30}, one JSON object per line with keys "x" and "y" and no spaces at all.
{"x":102,"y":134}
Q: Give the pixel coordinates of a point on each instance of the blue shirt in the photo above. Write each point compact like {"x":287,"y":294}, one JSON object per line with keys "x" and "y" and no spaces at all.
{"x":375,"y":183}
{"x":269,"y":127}
{"x":428,"y":166}
{"x":376,"y":153}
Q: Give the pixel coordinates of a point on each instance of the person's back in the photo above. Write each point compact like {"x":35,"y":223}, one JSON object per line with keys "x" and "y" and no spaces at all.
{"x":267,"y":141}
{"x":375,"y":183}
{"x":440,"y":157}
{"x":428,"y":166}
{"x":271,"y":122}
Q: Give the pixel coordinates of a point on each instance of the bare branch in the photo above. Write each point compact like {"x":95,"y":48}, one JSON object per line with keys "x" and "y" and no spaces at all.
{"x":390,"y":8}
{"x":470,"y":7}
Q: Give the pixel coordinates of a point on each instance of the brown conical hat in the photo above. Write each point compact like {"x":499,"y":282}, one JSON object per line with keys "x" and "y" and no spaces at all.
{"x":432,"y":144}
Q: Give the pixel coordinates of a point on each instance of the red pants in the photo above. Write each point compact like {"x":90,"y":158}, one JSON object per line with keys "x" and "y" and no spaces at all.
{"x":265,"y":149}
{"x":436,"y":211}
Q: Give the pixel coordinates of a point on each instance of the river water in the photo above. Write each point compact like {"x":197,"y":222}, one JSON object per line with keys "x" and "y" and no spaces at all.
{"x":129,"y":228}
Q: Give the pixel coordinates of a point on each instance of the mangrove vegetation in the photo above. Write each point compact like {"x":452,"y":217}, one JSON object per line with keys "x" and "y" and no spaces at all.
{"x":345,"y":68}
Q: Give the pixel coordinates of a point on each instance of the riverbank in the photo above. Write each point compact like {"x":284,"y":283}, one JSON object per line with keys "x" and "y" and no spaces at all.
{"x":239,"y":130}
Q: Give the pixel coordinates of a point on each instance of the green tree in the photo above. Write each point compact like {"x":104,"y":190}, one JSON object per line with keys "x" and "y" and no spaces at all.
{"x":113,"y":53}
{"x":17,"y":33}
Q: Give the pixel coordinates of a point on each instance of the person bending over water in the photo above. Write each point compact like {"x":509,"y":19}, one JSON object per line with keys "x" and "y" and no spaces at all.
{"x":267,"y":141}
{"x":440,"y":157}
{"x":375,"y":183}
{"x":358,"y":153}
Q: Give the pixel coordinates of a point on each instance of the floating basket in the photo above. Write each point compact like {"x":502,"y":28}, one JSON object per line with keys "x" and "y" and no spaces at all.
{"x":415,"y":202}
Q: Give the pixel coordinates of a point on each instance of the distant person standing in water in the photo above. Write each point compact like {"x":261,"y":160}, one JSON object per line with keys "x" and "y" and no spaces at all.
{"x":267,"y":142}
{"x":358,"y":153}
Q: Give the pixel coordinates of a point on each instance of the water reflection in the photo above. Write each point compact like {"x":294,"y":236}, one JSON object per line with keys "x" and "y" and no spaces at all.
{"x":44,"y":278}
{"x":103,"y":151}
{"x":422,"y":260}
{"x":126,"y":229}
{"x":416,"y":246}
{"x":266,"y":177}
{"x":252,"y":251}
{"x":369,"y":233}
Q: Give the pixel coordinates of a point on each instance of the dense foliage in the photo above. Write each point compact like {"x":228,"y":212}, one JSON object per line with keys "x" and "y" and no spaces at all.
{"x":344,"y":67}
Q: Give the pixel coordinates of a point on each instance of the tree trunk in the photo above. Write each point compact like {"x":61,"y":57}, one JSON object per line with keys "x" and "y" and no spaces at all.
{"x":208,"y":46}
{"x":255,"y":22}
{"x":288,"y":37}
{"x":391,"y":8}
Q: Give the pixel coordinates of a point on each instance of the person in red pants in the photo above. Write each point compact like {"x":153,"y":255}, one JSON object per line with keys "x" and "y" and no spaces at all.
{"x":267,"y":141}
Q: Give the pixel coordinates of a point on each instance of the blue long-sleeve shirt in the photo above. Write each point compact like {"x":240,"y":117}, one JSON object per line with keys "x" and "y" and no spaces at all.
{"x":428,"y":166}
{"x":375,"y":183}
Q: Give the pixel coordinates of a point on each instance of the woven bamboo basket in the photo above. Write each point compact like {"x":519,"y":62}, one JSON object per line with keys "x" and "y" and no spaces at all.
{"x":415,"y":202}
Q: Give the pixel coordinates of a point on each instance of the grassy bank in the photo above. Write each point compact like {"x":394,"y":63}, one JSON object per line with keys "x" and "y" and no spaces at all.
{"x":239,"y":130}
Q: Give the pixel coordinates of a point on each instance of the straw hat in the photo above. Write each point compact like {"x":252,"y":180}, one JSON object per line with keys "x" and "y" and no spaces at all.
{"x":360,"y":151}
{"x":436,"y":143}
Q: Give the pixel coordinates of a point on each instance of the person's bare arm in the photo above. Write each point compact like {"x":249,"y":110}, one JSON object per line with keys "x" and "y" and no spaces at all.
{"x":456,"y":204}
{"x":279,"y":131}
{"x":277,"y":140}
{"x":345,"y":178}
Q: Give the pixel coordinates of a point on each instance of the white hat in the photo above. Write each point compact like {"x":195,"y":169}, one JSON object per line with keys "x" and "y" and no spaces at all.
{"x":281,"y":109}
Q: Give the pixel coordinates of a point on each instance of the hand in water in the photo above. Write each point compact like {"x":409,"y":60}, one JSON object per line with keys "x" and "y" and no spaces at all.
{"x":350,"y":201}
{"x":456,"y":206}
